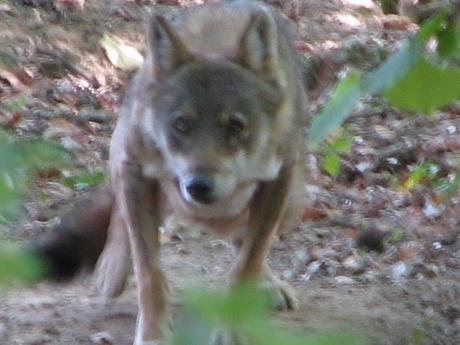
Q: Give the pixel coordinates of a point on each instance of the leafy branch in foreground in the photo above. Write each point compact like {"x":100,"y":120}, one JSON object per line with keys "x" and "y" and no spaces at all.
{"x":408,"y":79}
{"x":21,"y":159}
{"x":243,"y":313}
{"x":18,"y":266}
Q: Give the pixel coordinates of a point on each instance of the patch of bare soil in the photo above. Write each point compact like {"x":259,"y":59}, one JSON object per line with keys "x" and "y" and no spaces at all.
{"x":386,"y":312}
{"x":373,"y":253}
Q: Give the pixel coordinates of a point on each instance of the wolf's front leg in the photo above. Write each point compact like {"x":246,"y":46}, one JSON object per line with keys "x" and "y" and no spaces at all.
{"x":140,"y":206}
{"x":113,"y":265}
{"x":267,"y":211}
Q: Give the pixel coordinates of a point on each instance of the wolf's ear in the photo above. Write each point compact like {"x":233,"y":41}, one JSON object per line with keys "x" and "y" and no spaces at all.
{"x":165,"y":48}
{"x":258,"y":47}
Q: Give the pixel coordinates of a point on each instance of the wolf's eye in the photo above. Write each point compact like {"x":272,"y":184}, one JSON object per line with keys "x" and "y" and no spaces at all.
{"x":181,"y":125}
{"x":235,"y":126}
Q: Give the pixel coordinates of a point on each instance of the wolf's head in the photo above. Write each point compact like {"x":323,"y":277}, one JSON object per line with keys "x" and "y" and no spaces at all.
{"x":212,"y":118}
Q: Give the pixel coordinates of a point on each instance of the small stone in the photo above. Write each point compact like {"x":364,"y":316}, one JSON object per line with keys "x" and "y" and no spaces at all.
{"x":102,"y":338}
{"x":451,"y":129}
{"x":183,"y":250}
{"x":344,"y":280}
{"x":430,"y":210}
{"x":369,"y":277}
{"x":363,"y":166}
{"x":69,"y":144}
{"x":354,"y":264}
{"x":392,"y":161}
{"x":312,"y":268}
{"x":437,"y":245}
{"x":288,"y":275}
{"x":322,"y":253}
{"x":331,"y":266}
{"x":399,"y":271}
{"x":429,"y":312}
{"x":302,"y":255}
{"x":221,"y":244}
{"x":6,"y":9}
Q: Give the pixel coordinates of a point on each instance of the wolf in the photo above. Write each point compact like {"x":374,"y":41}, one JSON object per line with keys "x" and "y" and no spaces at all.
{"x":211,"y":131}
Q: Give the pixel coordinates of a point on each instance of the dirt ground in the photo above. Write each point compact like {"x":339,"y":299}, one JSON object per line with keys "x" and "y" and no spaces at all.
{"x":385,"y":312}
{"x":371,"y":255}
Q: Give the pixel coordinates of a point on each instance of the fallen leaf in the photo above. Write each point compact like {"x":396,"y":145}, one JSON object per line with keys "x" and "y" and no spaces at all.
{"x":121,"y":55}
{"x":395,"y":22}
{"x":313,"y":214}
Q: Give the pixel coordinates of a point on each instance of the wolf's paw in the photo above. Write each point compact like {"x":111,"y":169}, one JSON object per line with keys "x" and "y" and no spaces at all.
{"x":281,"y":295}
{"x":110,"y":275}
{"x":224,"y":337}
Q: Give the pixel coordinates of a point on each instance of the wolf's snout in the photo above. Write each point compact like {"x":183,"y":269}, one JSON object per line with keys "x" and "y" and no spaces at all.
{"x":201,"y":188}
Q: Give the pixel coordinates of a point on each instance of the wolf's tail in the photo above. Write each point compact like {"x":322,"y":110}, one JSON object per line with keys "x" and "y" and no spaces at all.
{"x":78,"y":240}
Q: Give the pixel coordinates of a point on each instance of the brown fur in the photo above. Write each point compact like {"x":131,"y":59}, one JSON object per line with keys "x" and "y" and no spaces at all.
{"x":219,"y":100}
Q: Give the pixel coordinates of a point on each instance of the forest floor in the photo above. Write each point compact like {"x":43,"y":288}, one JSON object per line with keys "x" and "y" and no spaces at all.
{"x":377,"y":251}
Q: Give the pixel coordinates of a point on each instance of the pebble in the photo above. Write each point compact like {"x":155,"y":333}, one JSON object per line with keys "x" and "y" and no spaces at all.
{"x":430,"y":210}
{"x":369,"y":277}
{"x":437,"y":245}
{"x":344,"y":280}
{"x":302,"y":255}
{"x":399,"y":271}
{"x":102,"y":338}
{"x":354,"y":264}
{"x":451,"y":129}
{"x":312,"y":268}
{"x":69,"y":144}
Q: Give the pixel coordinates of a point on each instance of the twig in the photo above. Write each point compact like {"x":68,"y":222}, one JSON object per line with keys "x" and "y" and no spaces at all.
{"x":80,"y":119}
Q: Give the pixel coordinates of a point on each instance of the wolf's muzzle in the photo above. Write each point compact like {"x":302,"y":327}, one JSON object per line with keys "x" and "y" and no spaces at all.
{"x":201,"y":188}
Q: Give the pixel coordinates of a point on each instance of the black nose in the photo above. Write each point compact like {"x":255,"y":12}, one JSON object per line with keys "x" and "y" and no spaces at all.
{"x":201,"y":188}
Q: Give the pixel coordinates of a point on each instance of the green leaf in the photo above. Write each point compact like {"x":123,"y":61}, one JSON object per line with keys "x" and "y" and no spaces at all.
{"x":350,"y":89}
{"x":395,"y":68}
{"x":232,"y":309}
{"x":395,"y":236}
{"x":453,"y":186}
{"x":85,"y":180}
{"x":401,"y":62}
{"x":342,"y":102}
{"x":433,"y":25}
{"x":244,"y":312}
{"x":17,"y":265}
{"x":331,"y":163}
{"x":341,"y":145}
{"x":17,"y":104}
{"x":426,"y":88}
{"x":448,"y":42}
{"x":6,"y":60}
{"x":20,"y":159}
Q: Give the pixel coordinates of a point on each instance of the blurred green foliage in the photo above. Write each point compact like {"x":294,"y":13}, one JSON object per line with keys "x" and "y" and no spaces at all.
{"x":425,"y":173}
{"x":84,"y":180}
{"x":17,"y":104}
{"x":425,"y":88}
{"x":18,"y":266}
{"x":20,"y":160}
{"x":339,"y":145}
{"x":244,"y":315}
{"x":408,"y":79}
